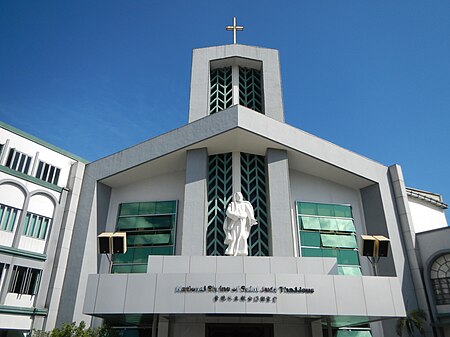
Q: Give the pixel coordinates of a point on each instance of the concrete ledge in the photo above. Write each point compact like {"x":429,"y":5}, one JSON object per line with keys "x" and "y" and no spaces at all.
{"x":233,"y":285}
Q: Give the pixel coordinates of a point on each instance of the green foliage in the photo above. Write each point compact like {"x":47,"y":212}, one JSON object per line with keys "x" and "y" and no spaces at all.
{"x":72,"y":330}
{"x":414,"y":320}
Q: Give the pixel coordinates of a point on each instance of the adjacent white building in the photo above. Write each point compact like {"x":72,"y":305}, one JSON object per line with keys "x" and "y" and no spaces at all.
{"x":39,"y":190}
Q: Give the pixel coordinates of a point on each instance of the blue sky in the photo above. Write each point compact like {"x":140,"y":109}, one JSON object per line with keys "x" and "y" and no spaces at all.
{"x":95,"y":77}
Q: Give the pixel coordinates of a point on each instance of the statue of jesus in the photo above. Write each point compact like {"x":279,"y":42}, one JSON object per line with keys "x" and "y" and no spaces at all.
{"x":240,"y":218}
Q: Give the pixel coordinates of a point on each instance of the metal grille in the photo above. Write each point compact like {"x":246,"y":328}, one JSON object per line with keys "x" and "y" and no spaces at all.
{"x":253,"y":185}
{"x":250,"y":90}
{"x":221,"y":90}
{"x":220,"y":190}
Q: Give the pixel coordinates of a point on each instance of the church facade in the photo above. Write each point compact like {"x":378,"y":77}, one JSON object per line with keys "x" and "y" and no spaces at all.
{"x":312,"y":201}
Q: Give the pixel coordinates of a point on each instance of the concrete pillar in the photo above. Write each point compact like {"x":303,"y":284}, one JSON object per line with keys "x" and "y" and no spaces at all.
{"x":193,"y":229}
{"x":279,"y":201}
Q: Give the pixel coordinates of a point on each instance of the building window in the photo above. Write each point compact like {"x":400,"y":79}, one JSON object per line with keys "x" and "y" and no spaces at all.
{"x":253,"y":188}
{"x":8,"y":217}
{"x":18,"y":161}
{"x":150,"y":228}
{"x":440,"y":279}
{"x":36,"y":226}
{"x":3,"y":268}
{"x":250,"y":89}
{"x":327,"y":230}
{"x":48,"y":173}
{"x":220,"y":190}
{"x":221,"y":90}
{"x":25,"y":281}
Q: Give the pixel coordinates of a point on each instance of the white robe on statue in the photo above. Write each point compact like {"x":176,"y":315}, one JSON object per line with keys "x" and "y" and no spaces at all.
{"x":237,"y":225}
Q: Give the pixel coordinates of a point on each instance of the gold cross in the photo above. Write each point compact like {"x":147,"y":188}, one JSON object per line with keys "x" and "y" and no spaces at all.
{"x":234,"y":28}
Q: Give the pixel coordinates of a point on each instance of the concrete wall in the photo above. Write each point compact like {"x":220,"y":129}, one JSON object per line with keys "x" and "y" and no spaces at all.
{"x":426,"y":216}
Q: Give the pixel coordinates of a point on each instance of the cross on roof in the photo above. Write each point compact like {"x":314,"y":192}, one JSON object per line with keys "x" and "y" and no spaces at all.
{"x":234,"y":28}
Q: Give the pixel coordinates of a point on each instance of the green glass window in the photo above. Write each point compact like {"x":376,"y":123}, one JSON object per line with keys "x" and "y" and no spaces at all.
{"x":327,"y":230}
{"x":345,"y":225}
{"x":348,"y":257}
{"x":8,"y":217}
{"x":340,"y":241}
{"x":308,"y":222}
{"x":328,"y":224}
{"x":35,"y":226}
{"x":349,"y":270}
{"x":311,"y":252}
{"x":150,"y":228}
{"x":310,"y":239}
{"x":307,"y":208}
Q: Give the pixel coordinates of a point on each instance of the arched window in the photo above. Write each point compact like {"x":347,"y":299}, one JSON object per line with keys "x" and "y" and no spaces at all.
{"x":440,"y":278}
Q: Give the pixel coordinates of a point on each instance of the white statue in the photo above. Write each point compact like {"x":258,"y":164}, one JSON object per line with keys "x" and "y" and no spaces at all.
{"x":240,"y":218}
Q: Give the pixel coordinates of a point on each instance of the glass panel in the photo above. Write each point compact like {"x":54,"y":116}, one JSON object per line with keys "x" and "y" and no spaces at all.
{"x":307,"y":208}
{"x":351,"y":271}
{"x":6,"y":216}
{"x":12,"y":220}
{"x":354,"y":333}
{"x":341,"y":241}
{"x":31,"y":226}
{"x":342,"y":211}
{"x":35,"y":231}
{"x":345,"y":225}
{"x":165,"y":207}
{"x":26,"y":223}
{"x":325,"y":210}
{"x":147,"y":208}
{"x":56,"y":178}
{"x":43,"y":230}
{"x":163,"y":250}
{"x":139,"y":268}
{"x":39,"y":170}
{"x":148,"y":222}
{"x":155,"y":222}
{"x":2,"y":209}
{"x":309,"y":222}
{"x":328,"y":224}
{"x":311,"y":252}
{"x":326,"y":252}
{"x":122,"y":269}
{"x":310,"y":239}
{"x":148,"y":239}
{"x":129,"y":209}
{"x":348,"y":257}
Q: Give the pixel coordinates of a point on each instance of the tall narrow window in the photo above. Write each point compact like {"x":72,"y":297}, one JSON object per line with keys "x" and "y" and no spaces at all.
{"x":18,"y":161}
{"x":220,"y":190}
{"x":48,"y":173}
{"x":327,"y":230}
{"x":221,"y":90}
{"x":150,"y":228}
{"x":36,"y":226}
{"x":8,"y":217}
{"x":253,"y":188}
{"x":250,"y":89}
{"x":25,"y":280}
